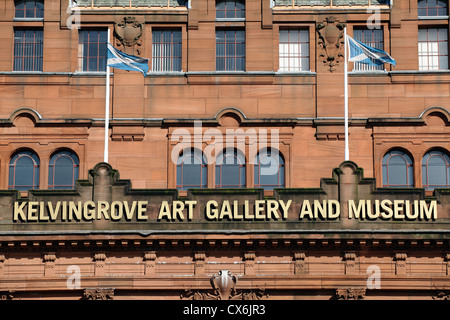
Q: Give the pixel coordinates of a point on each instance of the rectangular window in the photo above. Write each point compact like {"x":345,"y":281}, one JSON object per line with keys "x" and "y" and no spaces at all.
{"x":294,"y":50}
{"x":29,"y":9}
{"x":372,"y":38}
{"x":28,"y":49}
{"x":92,"y":50}
{"x":166,"y":50}
{"x":433,"y":48}
{"x":432,"y":8}
{"x":230,"y":50}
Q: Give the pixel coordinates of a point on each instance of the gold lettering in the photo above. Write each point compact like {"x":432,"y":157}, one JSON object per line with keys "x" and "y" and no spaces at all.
{"x":164,"y":212}
{"x":306,"y":210}
{"x":102,"y":209}
{"x":88,"y":214}
{"x":33,"y":210}
{"x":212,"y":213}
{"x":116,"y":214}
{"x":285,"y":208}
{"x":272,"y":209}
{"x":191,"y":204}
{"x":18,"y":211}
{"x":259,"y":209}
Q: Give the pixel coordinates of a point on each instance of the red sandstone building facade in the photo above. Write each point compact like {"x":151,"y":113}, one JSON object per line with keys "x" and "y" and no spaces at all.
{"x":261,"y":70}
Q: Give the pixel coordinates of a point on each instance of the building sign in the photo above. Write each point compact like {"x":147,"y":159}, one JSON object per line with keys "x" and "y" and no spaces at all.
{"x":347,"y":201}
{"x":258,"y":210}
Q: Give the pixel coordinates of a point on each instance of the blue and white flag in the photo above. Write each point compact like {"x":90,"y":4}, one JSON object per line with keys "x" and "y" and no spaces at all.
{"x":119,"y":60}
{"x":362,"y":53}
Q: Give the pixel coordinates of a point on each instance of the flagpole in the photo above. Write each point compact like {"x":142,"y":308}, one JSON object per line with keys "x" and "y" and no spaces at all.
{"x":105,"y":155}
{"x":347,"y":157}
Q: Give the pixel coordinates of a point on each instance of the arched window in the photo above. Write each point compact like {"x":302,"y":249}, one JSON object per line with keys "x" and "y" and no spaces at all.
{"x":397,"y":170}
{"x":63,"y":170}
{"x":435,"y":170}
{"x":269,"y":169}
{"x":24,"y":171}
{"x":230,"y":9}
{"x":230,"y":169}
{"x":192,"y":171}
{"x":29,"y":8}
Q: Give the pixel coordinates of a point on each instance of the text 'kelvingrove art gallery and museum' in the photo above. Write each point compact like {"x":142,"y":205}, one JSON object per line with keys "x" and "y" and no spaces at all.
{"x":224,"y":149}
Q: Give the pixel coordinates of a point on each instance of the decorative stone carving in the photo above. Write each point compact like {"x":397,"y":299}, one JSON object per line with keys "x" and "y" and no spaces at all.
{"x":330,"y":39}
{"x":350,"y":293}
{"x":98,"y":294}
{"x":350,"y":262}
{"x":447,"y":259}
{"x":223,"y":285}
{"x":249,"y":262}
{"x":299,"y":263}
{"x":7,"y":295}
{"x":150,"y":263}
{"x":2,"y":263}
{"x":99,"y":260}
{"x":128,"y":33}
{"x":440,"y":293}
{"x":49,"y":263}
{"x":199,"y":263}
{"x":400,"y":263}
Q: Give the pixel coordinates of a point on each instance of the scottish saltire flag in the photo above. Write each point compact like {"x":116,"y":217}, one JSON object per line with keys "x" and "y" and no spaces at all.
{"x":119,"y":60}
{"x":362,"y":53}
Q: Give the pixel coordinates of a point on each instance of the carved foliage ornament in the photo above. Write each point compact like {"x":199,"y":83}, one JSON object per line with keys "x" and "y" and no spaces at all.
{"x":350,"y":293}
{"x":128,"y":33}
{"x":331,"y":41}
{"x":98,"y":294}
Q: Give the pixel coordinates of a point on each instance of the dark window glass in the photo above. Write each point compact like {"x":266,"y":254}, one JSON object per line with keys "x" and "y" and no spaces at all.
{"x":230,"y":169}
{"x":269,"y":170}
{"x":93,"y":49}
{"x":24,"y":171}
{"x":397,"y":169}
{"x":166,"y":50}
{"x":230,"y":50}
{"x":63,"y":170}
{"x":372,"y":38}
{"x":28,"y":49}
{"x":29,"y":9}
{"x":435,"y":170}
{"x":230,"y":9}
{"x":430,"y":8}
{"x":191,"y":170}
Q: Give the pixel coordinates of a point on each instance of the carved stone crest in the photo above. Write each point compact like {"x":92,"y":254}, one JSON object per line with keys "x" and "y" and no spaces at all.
{"x":331,"y":40}
{"x":128,"y":33}
{"x":224,"y":288}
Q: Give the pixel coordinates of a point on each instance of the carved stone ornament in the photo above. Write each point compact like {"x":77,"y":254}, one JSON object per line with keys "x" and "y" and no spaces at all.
{"x":441,"y":295}
{"x":350,"y":293}
{"x":331,"y":41}
{"x":224,"y":288}
{"x":98,"y":294}
{"x":128,"y":33}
